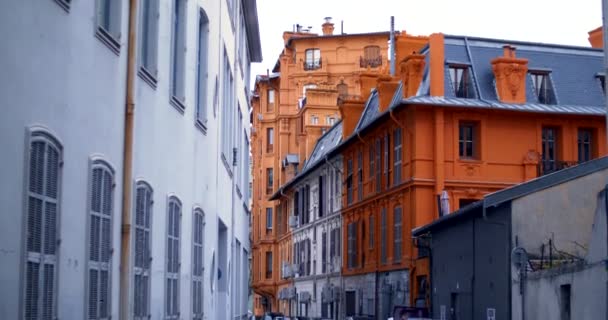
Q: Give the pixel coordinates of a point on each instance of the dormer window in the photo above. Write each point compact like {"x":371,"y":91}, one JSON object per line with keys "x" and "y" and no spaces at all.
{"x":461,"y":81}
{"x":313,"y":59}
{"x":602,"y":81}
{"x":541,"y":82}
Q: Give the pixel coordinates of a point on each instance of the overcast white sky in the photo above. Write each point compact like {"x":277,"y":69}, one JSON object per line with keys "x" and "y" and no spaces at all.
{"x":549,"y":21}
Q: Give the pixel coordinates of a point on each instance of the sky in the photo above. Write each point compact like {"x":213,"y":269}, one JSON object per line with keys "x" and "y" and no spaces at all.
{"x":548,"y":21}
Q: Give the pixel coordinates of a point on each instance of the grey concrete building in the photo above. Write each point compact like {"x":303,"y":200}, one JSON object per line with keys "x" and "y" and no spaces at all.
{"x":537,"y":250}
{"x":65,"y":249}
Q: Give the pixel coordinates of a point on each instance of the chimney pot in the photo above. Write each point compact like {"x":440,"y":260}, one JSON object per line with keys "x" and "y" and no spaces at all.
{"x":327,"y":27}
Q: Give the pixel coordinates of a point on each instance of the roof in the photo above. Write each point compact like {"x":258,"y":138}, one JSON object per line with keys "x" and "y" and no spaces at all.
{"x":250,"y":13}
{"x":573,"y":72}
{"x":326,"y":143}
{"x":342,"y":35}
{"x":292,"y":158}
{"x":515,"y":192}
{"x":370,"y":111}
{"x":263,"y":77}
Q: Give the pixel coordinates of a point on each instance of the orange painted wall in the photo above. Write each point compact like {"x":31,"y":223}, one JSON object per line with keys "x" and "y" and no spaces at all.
{"x":294,"y":133}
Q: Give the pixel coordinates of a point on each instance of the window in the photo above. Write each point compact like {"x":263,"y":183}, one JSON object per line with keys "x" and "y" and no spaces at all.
{"x":541,"y":83}
{"x":313,"y":59}
{"x":397,"y":156}
{"x":101,"y":205}
{"x":549,"y":156}
{"x":565,"y":295}
{"x":314,"y":119}
{"x":270,"y":181}
{"x":349,"y":182}
{"x":228,"y":112}
{"x":372,"y":231}
{"x":397,"y":235}
{"x":268,"y":219}
{"x":371,"y":57}
{"x":149,"y":41}
{"x":371,"y":156}
{"x":202,"y":74}
{"x":178,"y":54}
{"x":468,"y":140}
{"x":268,"y":264}
{"x":461,"y":86}
{"x":270,"y":106}
{"x":198,"y":240}
{"x":269,"y":140}
{"x":108,"y":23}
{"x":352,"y":244}
{"x":321,"y":197}
{"x":173,"y":259}
{"x":359,"y":175}
{"x":378,"y":166}
{"x":585,"y":144}
{"x":602,"y":81}
{"x":142,"y":259}
{"x":41,"y":257}
{"x":324,"y":252}
{"x":383,"y":236}
{"x":386,"y":160}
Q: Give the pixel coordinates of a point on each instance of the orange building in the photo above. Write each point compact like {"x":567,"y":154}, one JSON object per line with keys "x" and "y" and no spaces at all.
{"x":292,"y":107}
{"x":463,"y":117}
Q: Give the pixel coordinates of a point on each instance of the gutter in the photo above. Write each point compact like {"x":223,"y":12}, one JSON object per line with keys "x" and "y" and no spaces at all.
{"x":125,"y":237}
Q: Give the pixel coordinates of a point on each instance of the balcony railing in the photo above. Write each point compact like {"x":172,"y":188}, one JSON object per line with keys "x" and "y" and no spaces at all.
{"x":313,"y":65}
{"x":370,"y":62}
{"x":550,"y":166}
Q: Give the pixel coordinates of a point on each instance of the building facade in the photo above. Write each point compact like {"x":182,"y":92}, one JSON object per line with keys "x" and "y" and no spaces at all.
{"x":521,"y":253}
{"x":463,"y":117}
{"x":292,"y":108}
{"x":185,"y":247}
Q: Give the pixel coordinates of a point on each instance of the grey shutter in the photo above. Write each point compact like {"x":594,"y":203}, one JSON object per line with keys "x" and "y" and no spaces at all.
{"x":383,"y":241}
{"x":42,"y":217}
{"x":141,"y":267}
{"x":197,"y":272}
{"x":397,"y":235}
{"x":173,"y":236}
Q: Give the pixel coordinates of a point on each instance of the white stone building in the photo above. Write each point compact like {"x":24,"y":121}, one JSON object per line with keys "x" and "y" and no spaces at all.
{"x":63,"y":89}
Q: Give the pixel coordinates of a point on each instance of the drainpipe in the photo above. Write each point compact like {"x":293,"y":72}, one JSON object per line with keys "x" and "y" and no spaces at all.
{"x":125,"y":239}
{"x":393,"y":46}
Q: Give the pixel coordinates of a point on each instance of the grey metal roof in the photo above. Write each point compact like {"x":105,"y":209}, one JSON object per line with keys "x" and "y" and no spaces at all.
{"x":517,"y":191}
{"x":370,"y":111}
{"x":292,"y":158}
{"x":487,"y":104}
{"x":326,"y":142}
{"x":573,"y":73}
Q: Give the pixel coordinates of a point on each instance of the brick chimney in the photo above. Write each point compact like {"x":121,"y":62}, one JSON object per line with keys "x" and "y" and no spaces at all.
{"x":386,"y":86}
{"x":367,"y":81}
{"x":596,"y":38}
{"x":351,"y":109}
{"x":328,"y":27}
{"x":407,"y":44}
{"x":510,"y":73}
{"x":411,"y":69}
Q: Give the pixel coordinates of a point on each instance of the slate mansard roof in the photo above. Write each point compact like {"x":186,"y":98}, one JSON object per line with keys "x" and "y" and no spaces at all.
{"x":573,"y":73}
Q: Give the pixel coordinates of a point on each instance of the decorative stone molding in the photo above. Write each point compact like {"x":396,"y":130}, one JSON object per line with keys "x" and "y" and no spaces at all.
{"x":411,"y":69}
{"x":510,"y":74}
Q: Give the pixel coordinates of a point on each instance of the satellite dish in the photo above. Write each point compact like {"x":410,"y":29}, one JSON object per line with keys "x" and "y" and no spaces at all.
{"x":519,"y":257}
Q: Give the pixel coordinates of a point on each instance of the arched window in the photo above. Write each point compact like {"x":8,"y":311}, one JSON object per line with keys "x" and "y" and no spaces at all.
{"x":371,"y":57}
{"x":197,"y":263}
{"x":101,"y":206}
{"x":142,"y":254}
{"x":41,"y":258}
{"x":174,"y":211}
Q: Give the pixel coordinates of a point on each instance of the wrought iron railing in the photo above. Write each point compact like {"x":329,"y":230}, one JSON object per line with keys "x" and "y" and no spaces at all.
{"x":313,"y":65}
{"x":370,"y":62}
{"x":550,"y":166}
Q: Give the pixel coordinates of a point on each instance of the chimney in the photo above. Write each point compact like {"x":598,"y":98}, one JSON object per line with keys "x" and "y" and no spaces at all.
{"x":437,"y":64}
{"x":328,"y":27}
{"x":596,"y":38}
{"x":407,"y":44}
{"x":411,"y":70}
{"x":351,"y":109}
{"x":386,"y":86}
{"x":510,"y":73}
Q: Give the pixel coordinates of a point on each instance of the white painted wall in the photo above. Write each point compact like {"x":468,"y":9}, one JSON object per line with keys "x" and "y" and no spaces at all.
{"x":57,"y":75}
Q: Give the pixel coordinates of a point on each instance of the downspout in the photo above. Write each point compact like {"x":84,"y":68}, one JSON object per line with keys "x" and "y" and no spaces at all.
{"x":125,"y":238}
{"x":359,"y":136}
{"x":390,"y":113}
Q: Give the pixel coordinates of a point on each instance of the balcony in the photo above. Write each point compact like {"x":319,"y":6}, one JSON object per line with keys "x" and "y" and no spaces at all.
{"x":550,"y":166}
{"x":365,"y":62}
{"x":312,"y":65}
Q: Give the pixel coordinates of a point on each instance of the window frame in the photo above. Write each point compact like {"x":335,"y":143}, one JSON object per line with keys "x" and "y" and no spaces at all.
{"x":397,"y":155}
{"x":175,"y":276}
{"x":270,"y":100}
{"x":269,"y":267}
{"x":397,"y":234}
{"x":550,"y":159}
{"x":38,"y":134}
{"x":202,"y":70}
{"x":142,"y":271}
{"x":349,"y":182}
{"x":474,"y":140}
{"x":270,"y":140}
{"x":383,"y":236}
{"x":314,"y":62}
{"x":589,"y":154}
{"x":147,"y":59}
{"x":198,"y":277}
{"x":460,"y":76}
{"x":543,"y":91}
{"x":109,"y":35}
{"x":269,"y":222}
{"x":359,"y":175}
{"x":269,"y":181}
{"x":177,"y":85}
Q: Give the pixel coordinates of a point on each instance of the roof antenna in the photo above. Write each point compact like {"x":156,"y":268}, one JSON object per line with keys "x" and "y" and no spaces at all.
{"x":341,"y":26}
{"x":392,"y":57}
{"x":267,"y":73}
